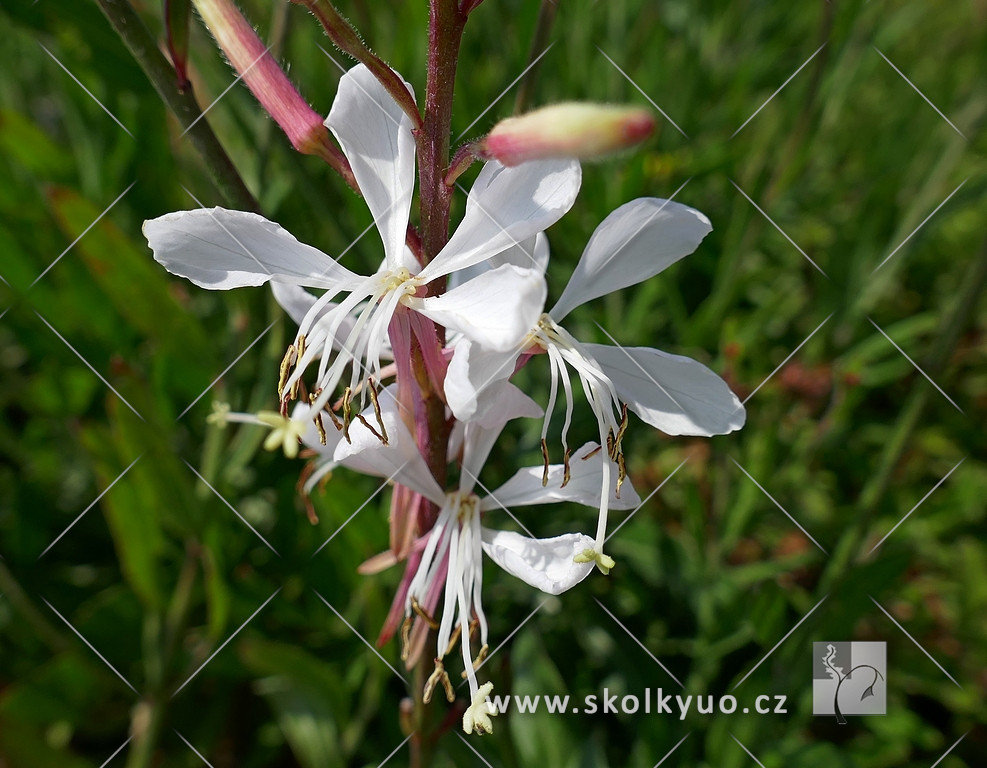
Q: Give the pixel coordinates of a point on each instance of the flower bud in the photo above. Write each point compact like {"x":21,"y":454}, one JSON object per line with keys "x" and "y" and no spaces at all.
{"x":570,"y":129}
{"x":262,"y":74}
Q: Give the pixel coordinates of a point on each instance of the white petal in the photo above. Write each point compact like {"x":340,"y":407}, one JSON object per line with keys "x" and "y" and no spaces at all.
{"x":220,"y":249}
{"x":585,"y":482}
{"x":496,"y":310}
{"x":507,"y":206}
{"x":635,"y":242}
{"x":399,"y":459}
{"x":545,"y":564}
{"x":376,"y":137}
{"x":676,"y":394}
{"x":472,"y":372}
{"x":480,"y":435}
{"x":533,"y":253}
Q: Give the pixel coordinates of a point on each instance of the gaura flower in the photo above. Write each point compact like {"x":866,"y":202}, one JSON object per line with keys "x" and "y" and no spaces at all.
{"x":675,"y":394}
{"x":447,"y":577}
{"x":221,"y":249}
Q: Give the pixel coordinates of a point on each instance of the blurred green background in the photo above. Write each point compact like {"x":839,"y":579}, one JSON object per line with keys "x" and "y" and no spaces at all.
{"x":159,"y":575}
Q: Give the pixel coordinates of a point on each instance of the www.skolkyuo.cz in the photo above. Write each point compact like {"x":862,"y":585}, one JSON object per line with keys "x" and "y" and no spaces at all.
{"x":652,"y":701}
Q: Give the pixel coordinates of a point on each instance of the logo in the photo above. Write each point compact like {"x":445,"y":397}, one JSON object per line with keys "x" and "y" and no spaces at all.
{"x":849,"y":679}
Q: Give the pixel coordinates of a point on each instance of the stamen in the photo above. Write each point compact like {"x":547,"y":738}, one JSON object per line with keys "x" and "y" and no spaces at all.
{"x":544,"y":455}
{"x":438,"y":675}
{"x":423,"y":614}
{"x":592,"y":453}
{"x":454,"y":639}
{"x":406,"y":637}
{"x":380,"y":420}
{"x":298,"y":381}
{"x":285,"y":370}
{"x":320,"y":427}
{"x":347,"y":393}
{"x":621,"y":473}
{"x":566,"y":475}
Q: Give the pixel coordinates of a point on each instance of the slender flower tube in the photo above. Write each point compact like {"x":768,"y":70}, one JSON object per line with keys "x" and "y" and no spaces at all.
{"x":265,"y":78}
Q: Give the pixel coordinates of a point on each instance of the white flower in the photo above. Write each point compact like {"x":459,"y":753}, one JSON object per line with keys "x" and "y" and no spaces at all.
{"x":221,"y":249}
{"x":450,"y":572}
{"x":675,"y":394}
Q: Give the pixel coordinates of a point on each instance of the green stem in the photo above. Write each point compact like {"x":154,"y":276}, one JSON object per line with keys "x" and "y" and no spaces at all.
{"x":162,"y":76}
{"x":342,"y":33}
{"x":539,"y":41}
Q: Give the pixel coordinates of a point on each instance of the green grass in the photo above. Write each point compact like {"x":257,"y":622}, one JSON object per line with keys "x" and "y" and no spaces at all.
{"x":847,"y":160}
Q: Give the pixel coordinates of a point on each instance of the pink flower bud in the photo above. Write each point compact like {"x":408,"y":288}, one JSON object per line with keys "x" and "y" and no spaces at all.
{"x":570,"y":129}
{"x":266,"y":80}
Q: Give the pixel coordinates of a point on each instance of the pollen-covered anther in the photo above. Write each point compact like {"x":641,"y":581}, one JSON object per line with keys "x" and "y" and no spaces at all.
{"x":453,"y":639}
{"x":544,"y":456}
{"x":439,"y":675}
{"x":300,"y":351}
{"x":347,"y":413}
{"x":406,"y":637}
{"x":374,"y":391}
{"x":423,"y":614}
{"x":567,"y":474}
{"x":285,"y":370}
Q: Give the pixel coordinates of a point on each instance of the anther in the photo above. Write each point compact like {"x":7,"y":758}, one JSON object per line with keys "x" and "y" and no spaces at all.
{"x":320,"y":427}
{"x":454,"y":639}
{"x":621,"y":473}
{"x":406,"y":637}
{"x":298,"y":381}
{"x":544,"y":455}
{"x":376,"y":405}
{"x":285,"y":369}
{"x":566,"y":475}
{"x":438,"y":675}
{"x":347,"y":408}
{"x":423,"y":614}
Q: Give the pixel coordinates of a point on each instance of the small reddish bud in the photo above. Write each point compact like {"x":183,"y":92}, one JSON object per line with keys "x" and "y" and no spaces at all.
{"x":265,"y":78}
{"x":570,"y":129}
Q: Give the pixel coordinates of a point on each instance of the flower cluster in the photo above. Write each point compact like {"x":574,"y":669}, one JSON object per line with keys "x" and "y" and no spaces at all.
{"x":371,"y":348}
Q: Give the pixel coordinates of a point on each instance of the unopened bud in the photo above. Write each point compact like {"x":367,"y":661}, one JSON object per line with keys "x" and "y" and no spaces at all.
{"x":570,"y":129}
{"x":267,"y":81}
